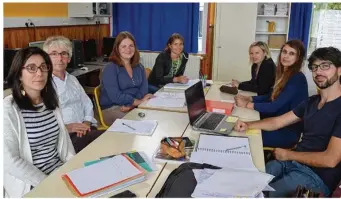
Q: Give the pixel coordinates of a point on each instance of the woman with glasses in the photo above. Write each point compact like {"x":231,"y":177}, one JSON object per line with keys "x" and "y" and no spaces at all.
{"x":36,"y":141}
{"x":290,"y":89}
{"x":263,"y":71}
{"x":124,"y":83}
{"x":170,"y":64}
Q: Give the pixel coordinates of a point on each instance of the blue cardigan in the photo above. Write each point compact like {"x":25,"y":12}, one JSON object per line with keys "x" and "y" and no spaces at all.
{"x":294,"y":92}
{"x":119,"y":89}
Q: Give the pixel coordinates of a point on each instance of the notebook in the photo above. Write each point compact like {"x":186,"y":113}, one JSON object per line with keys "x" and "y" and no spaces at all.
{"x":166,"y":102}
{"x":223,"y":151}
{"x":142,"y":127}
{"x":104,"y":175}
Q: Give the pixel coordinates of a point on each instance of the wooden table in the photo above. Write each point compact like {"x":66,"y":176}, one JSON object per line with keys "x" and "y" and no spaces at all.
{"x":169,"y":124}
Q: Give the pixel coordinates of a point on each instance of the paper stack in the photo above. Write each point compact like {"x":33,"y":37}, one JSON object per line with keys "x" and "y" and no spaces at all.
{"x":228,"y":183}
{"x":103,"y":177}
{"x":239,"y":176}
{"x":269,"y":9}
{"x":179,"y":86}
{"x":282,"y":9}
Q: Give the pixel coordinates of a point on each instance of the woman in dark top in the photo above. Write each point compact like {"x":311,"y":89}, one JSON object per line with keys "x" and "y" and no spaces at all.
{"x":263,"y":70}
{"x":290,"y":89}
{"x":170,"y":64}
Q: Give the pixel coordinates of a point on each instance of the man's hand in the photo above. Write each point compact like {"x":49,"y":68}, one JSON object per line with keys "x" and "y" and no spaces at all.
{"x":235,"y":83}
{"x":240,"y":126}
{"x":282,"y":154}
{"x":180,"y":79}
{"x":79,"y":128}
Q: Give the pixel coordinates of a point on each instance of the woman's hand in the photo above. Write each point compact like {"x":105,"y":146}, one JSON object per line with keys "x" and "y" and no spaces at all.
{"x":241,"y":102}
{"x":180,"y":79}
{"x":235,"y":83}
{"x":126,"y":108}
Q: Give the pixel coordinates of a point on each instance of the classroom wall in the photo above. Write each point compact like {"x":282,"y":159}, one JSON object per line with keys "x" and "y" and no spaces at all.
{"x":51,"y":14}
{"x":35,"y":9}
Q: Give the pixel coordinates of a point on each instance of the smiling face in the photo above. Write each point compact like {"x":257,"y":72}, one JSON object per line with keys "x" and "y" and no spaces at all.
{"x":288,"y":56}
{"x":34,"y":81}
{"x":177,"y":46}
{"x":126,"y":49}
{"x":257,"y":55}
{"x":325,"y":73}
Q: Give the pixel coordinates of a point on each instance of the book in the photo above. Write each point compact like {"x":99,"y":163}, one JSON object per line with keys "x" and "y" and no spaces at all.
{"x":161,"y":155}
{"x":179,"y":86}
{"x":110,"y":174}
{"x":142,"y":127}
{"x":219,"y":107}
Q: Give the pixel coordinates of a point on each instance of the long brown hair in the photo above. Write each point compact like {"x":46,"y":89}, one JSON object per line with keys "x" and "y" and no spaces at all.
{"x":171,"y":39}
{"x":283,"y":76}
{"x":115,"y":54}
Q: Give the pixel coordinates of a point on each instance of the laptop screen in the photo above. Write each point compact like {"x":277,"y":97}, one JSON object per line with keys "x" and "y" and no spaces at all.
{"x":195,"y":100}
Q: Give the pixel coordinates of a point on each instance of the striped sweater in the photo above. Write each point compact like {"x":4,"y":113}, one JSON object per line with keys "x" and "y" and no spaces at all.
{"x":42,"y":132}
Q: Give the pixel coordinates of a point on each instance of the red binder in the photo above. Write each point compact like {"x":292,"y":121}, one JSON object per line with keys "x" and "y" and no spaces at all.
{"x":219,"y":107}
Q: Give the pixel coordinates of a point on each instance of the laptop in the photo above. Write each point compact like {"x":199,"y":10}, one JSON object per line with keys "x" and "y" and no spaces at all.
{"x":199,"y":118}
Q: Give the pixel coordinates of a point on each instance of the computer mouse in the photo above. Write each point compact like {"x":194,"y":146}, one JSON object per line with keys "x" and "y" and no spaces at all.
{"x":84,"y":68}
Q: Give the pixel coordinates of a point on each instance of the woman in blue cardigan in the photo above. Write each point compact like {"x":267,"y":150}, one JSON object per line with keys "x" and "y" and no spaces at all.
{"x":290,"y":89}
{"x":124,"y":83}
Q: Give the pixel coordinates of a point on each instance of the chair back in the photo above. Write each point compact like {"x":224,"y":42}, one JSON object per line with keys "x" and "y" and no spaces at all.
{"x":97,"y":93}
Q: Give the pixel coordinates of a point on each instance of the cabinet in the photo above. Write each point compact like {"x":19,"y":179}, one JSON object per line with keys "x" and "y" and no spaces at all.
{"x":234,"y":32}
{"x":278,"y":13}
{"x":89,"y":9}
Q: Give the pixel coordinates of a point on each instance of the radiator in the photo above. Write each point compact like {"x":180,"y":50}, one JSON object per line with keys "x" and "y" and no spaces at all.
{"x":192,"y":66}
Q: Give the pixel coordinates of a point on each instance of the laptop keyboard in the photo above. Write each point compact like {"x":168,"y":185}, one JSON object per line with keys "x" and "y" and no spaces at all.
{"x":212,"y":121}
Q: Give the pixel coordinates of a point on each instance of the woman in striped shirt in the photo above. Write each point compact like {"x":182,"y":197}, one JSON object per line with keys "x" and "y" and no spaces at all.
{"x":35,"y":139}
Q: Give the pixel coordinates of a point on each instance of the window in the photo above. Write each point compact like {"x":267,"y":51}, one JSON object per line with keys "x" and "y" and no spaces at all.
{"x":326,"y":26}
{"x":203,"y":8}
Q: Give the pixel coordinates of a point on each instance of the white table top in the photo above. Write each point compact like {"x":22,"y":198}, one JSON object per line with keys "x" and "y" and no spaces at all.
{"x":169,"y":124}
{"x":177,"y":109}
{"x":256,"y":147}
{"x":215,"y":94}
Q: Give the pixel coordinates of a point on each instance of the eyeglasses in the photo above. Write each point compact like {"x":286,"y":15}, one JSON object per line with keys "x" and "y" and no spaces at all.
{"x":322,"y":66}
{"x":32,"y":68}
{"x":56,"y":54}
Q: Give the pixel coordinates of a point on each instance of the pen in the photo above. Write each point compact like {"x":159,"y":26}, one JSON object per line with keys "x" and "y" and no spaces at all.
{"x":235,"y":148}
{"x":128,"y":126}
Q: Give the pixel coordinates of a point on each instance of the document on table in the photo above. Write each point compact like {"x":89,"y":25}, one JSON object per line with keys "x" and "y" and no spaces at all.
{"x":230,"y":183}
{"x":181,"y":86}
{"x":172,"y":95}
{"x":166,"y":102}
{"x":142,"y":127}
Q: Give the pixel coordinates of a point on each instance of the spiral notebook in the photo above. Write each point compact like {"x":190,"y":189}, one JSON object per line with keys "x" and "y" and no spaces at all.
{"x":223,"y":151}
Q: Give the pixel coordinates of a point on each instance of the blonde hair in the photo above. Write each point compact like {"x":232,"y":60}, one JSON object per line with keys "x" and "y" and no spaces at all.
{"x":263,"y":46}
{"x":59,"y":41}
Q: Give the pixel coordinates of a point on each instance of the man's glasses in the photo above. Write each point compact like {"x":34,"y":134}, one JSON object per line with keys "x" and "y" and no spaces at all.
{"x":32,"y":68}
{"x":56,"y":54}
{"x":322,"y":66}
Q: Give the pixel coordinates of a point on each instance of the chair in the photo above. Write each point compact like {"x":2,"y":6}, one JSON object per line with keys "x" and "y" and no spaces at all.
{"x":147,"y":71}
{"x":97,"y":93}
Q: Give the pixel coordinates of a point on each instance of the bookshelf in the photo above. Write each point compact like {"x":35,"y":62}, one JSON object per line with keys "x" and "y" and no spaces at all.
{"x":279,"y":13}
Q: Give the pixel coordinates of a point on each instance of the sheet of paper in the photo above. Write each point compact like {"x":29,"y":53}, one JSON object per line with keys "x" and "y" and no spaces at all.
{"x":181,"y":86}
{"x":102,"y":174}
{"x":252,"y":132}
{"x":223,"y":183}
{"x":172,"y":95}
{"x":231,"y":119}
{"x":228,"y":101}
{"x":166,"y":102}
{"x":142,"y":127}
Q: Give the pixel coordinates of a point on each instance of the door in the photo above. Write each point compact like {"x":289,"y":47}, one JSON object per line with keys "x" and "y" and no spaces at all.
{"x":234,"y":32}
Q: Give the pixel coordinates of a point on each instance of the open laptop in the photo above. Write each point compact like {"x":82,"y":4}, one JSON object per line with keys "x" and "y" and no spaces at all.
{"x":199,"y":118}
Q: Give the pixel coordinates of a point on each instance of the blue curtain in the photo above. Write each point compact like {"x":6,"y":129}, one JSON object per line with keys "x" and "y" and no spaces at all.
{"x":300,"y":17}
{"x":152,"y":23}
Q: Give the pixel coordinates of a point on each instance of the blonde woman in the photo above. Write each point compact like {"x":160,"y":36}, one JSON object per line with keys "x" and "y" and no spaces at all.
{"x":263,"y":70}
